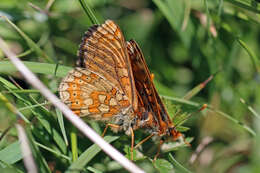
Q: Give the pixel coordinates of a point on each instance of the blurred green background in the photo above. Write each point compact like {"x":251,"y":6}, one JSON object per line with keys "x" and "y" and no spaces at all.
{"x":184,"y":42}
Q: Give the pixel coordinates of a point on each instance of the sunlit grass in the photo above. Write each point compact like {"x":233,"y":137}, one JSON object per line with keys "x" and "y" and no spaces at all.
{"x":181,"y":52}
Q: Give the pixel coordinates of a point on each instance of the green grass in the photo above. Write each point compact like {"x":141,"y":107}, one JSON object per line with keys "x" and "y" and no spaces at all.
{"x":181,"y":52}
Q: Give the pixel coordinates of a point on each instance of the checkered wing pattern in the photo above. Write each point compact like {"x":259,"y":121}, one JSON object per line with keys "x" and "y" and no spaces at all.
{"x":102,"y":86}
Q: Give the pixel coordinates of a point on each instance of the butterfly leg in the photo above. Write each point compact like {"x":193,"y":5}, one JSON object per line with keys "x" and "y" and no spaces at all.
{"x":132,"y":143}
{"x":145,"y":139}
{"x":109,"y":125}
{"x":158,"y":151}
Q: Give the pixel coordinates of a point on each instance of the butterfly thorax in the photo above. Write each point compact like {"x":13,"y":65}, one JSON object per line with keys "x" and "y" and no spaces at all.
{"x":125,"y":120}
{"x":146,"y":120}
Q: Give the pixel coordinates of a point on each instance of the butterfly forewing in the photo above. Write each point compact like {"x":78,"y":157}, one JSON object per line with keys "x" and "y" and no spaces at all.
{"x":103,"y":50}
{"x":146,"y":90}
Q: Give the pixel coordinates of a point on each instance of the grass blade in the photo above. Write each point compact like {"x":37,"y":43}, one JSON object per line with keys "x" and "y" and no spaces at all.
{"x":251,"y":54}
{"x":29,"y":41}
{"x":198,"y":88}
{"x":178,"y":165}
{"x":174,"y":13}
{"x":61,"y":124}
{"x":52,"y":151}
{"x":74,"y":144}
{"x":250,"y":108}
{"x":39,"y":159}
{"x":244,"y":6}
{"x":93,"y":170}
{"x":163,"y":166}
{"x":89,"y":12}
{"x":12,"y":108}
{"x":90,"y":153}
{"x":36,"y":67}
{"x":21,"y":91}
{"x":11,"y":154}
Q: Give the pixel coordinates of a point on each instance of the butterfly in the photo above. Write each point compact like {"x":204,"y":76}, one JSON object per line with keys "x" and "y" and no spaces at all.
{"x":113,"y":84}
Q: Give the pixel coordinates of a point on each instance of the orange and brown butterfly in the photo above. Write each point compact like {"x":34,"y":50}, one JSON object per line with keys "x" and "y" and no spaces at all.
{"x":112,"y":83}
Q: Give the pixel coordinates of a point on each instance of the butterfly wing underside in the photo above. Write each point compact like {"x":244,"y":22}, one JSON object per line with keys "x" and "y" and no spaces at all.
{"x":103,"y":85}
{"x":149,"y":98}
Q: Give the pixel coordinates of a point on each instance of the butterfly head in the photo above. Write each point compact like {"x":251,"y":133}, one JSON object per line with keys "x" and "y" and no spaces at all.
{"x":178,"y":135}
{"x":175,"y":134}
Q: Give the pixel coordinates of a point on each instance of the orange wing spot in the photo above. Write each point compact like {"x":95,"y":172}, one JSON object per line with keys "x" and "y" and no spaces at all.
{"x":72,"y":86}
{"x":106,"y":115}
{"x":77,"y":112}
{"x":94,"y":76}
{"x":87,"y":78}
{"x":94,"y":95}
{"x":76,"y":104}
{"x":117,"y":32}
{"x":96,"y":103}
{"x":113,"y":91}
{"x":113,"y":109}
{"x":107,"y":99}
{"x":83,"y":76}
{"x":76,"y":80}
{"x":124,"y":103}
{"x":74,"y":94}
{"x":94,"y":110}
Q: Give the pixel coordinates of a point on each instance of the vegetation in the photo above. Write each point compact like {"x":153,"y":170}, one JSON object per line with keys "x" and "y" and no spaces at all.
{"x":184,"y":43}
